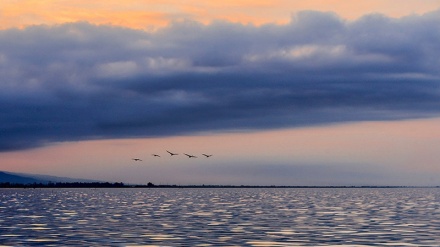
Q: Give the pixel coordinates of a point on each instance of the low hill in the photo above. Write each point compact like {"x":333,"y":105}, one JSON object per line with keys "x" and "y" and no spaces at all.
{"x":24,"y":178}
{"x":6,"y":177}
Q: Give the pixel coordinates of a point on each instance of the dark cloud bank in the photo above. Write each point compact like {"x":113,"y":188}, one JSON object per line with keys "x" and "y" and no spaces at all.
{"x":81,"y":81}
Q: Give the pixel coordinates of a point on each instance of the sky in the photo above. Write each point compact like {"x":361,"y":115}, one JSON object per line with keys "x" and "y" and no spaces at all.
{"x":280,"y":92}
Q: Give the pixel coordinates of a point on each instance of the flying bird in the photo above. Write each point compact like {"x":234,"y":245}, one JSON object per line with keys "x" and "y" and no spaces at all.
{"x":136,"y":159}
{"x":172,"y":154}
{"x":190,"y":156}
{"x":156,"y":155}
{"x":207,"y":155}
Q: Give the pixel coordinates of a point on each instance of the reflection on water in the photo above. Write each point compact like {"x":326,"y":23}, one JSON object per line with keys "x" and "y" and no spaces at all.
{"x":220,"y":217}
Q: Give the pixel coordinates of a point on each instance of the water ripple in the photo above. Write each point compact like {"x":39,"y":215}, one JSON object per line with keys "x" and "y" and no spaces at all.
{"x":220,"y":217}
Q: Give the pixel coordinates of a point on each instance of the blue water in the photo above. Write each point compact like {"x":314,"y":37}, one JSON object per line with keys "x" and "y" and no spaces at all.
{"x":220,"y":217}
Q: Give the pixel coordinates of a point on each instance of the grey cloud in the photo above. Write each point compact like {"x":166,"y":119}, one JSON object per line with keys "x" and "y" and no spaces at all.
{"x":80,"y":81}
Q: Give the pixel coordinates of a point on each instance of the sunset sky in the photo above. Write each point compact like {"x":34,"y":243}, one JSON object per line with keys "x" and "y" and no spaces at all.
{"x":280,"y":92}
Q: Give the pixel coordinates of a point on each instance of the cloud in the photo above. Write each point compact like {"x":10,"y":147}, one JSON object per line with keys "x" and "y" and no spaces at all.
{"x":81,"y":81}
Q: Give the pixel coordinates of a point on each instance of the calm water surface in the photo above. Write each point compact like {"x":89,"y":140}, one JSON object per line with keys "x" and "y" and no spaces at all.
{"x":220,"y":217}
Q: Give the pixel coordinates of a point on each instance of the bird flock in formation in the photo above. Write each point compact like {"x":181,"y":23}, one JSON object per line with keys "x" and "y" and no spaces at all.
{"x":172,"y":154}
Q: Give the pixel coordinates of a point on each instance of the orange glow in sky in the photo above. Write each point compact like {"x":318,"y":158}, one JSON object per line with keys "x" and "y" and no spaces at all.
{"x":141,"y":14}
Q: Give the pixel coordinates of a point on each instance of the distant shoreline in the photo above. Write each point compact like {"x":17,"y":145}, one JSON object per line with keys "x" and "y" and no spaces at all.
{"x":150,"y":185}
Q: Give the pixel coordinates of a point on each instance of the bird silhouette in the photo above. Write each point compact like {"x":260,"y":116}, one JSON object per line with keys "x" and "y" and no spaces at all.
{"x":190,"y":156}
{"x":136,"y":159}
{"x":207,"y":155}
{"x":172,"y":154}
{"x":156,"y":155}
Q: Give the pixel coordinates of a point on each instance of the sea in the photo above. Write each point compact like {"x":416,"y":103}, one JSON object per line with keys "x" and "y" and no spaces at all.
{"x":220,"y":217}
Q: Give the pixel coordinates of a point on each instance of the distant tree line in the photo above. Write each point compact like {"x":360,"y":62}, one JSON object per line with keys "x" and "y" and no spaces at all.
{"x":68,"y":185}
{"x":149,"y":185}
